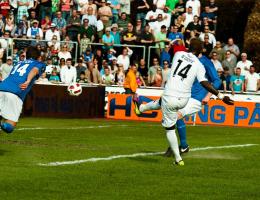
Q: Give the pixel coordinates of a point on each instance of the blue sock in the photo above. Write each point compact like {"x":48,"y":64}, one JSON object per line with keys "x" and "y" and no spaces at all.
{"x":181,"y":127}
{"x":6,"y":127}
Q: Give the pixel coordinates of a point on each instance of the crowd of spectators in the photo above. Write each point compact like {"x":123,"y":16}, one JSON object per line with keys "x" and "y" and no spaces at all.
{"x":54,"y":27}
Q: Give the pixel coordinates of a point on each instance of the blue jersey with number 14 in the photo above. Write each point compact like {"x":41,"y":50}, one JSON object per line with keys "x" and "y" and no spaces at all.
{"x":19,"y":75}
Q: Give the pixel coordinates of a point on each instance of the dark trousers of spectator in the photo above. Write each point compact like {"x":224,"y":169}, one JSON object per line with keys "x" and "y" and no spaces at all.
{"x":73,"y":35}
{"x":128,"y":91}
{"x":141,"y":16}
{"x":45,"y":11}
{"x":65,"y":15}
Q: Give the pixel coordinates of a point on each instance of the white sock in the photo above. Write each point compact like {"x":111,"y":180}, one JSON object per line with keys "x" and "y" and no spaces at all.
{"x":173,"y":141}
{"x":152,"y":105}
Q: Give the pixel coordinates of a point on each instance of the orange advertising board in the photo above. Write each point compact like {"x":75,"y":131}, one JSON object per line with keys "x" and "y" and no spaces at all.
{"x":245,"y":114}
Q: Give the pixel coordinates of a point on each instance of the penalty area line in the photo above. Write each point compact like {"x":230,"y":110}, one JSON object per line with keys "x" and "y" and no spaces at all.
{"x":74,"y":162}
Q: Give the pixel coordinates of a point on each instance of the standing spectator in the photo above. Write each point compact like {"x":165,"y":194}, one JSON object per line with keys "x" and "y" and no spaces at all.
{"x":107,"y":39}
{"x":212,"y":39}
{"x":105,"y":13}
{"x":92,"y":74}
{"x":147,"y":38}
{"x":65,"y":8}
{"x":46,"y":23}
{"x":22,"y":9}
{"x":152,"y":70}
{"x":237,"y":82}
{"x":252,"y":83}
{"x":142,"y":68}
{"x":141,"y":7}
{"x":6,"y":68}
{"x":60,"y":23}
{"x":165,"y":72}
{"x":233,"y":48}
{"x":210,"y":15}
{"x":115,"y":6}
{"x":130,"y":83}
{"x":195,"y":5}
{"x":229,"y":62}
{"x":73,"y":25}
{"x":45,"y":8}
{"x":129,"y":36}
{"x":219,"y":50}
{"x":55,"y":6}
{"x":193,"y":28}
{"x":215,"y":61}
{"x":107,"y":77}
{"x":125,"y":7}
{"x":124,"y":58}
{"x":188,"y":17}
{"x":5,"y":7}
{"x":225,"y":79}
{"x":207,"y":47}
{"x":86,"y":29}
{"x":165,"y":55}
{"x":160,"y":39}
{"x":244,"y":64}
{"x":85,"y":10}
{"x":157,"y":79}
{"x":92,"y":18}
{"x":33,"y":17}
{"x":34,"y":30}
{"x":80,"y":67}
{"x":115,"y":33}
{"x":120,"y":75}
{"x":68,"y":73}
{"x":123,"y":22}
{"x":64,"y":53}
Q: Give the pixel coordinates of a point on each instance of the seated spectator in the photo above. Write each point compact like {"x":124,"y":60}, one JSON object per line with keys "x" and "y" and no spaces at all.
{"x":157,"y":79}
{"x":86,"y":29}
{"x":68,"y":73}
{"x":49,"y":67}
{"x":142,"y":68}
{"x":54,"y":44}
{"x":225,"y":79}
{"x":207,"y":46}
{"x":174,"y":34}
{"x":152,"y":70}
{"x":88,"y":55}
{"x":32,"y":17}
{"x":73,"y":25}
{"x":139,"y":79}
{"x":216,"y":62}
{"x":124,"y":58}
{"x":160,"y":21}
{"x":188,"y":17}
{"x":233,"y":48}
{"x":85,"y":8}
{"x":69,"y":43}
{"x":65,"y":8}
{"x":80,"y":67}
{"x":237,"y":82}
{"x":64,"y":53}
{"x":116,"y":34}
{"x":105,"y":13}
{"x":42,"y":78}
{"x":138,"y":29}
{"x":123,"y":22}
{"x":99,"y":57}
{"x":165,"y":55}
{"x":212,"y":39}
{"x":219,"y":50}
{"x":92,"y":74}
{"x":141,"y":7}
{"x":229,"y":62}
{"x":82,"y":78}
{"x":107,"y":39}
{"x":46,"y":23}
{"x":206,"y":22}
{"x":54,"y":78}
{"x":34,"y":30}
{"x":244,"y":64}
{"x":146,"y":38}
{"x":84,"y":43}
{"x":90,"y":15}
{"x":62,"y":63}
{"x":160,"y":39}
{"x":6,"y":68}
{"x":165,"y":72}
{"x":60,"y":23}
{"x":19,"y":30}
{"x":115,"y":6}
{"x":193,"y":28}
{"x":110,"y":55}
{"x":210,"y":15}
{"x":120,"y":75}
{"x":252,"y":82}
{"x":129,"y":36}
{"x":9,"y":23}
{"x":195,"y":5}
{"x":114,"y":65}
{"x":107,"y":78}
{"x":51,"y":32}
{"x":180,"y":24}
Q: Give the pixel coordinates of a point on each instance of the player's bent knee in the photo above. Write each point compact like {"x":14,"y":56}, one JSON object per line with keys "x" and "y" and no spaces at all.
{"x":7,"y":127}
{"x":170,"y":128}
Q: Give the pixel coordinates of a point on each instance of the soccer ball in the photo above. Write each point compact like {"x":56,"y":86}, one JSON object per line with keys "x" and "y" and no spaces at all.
{"x":74,"y":89}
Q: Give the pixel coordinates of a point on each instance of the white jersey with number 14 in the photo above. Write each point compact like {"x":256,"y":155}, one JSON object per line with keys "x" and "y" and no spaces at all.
{"x":186,"y":67}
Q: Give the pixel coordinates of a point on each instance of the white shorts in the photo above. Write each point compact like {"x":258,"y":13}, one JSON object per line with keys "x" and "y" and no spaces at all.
{"x":10,"y":106}
{"x":193,"y":106}
{"x":170,"y":107}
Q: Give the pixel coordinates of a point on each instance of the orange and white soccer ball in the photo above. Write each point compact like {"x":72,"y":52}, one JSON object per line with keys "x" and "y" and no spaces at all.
{"x":74,"y":89}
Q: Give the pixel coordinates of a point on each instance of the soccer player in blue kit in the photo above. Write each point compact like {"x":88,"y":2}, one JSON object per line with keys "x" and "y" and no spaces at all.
{"x":16,"y":86}
{"x":199,"y":96}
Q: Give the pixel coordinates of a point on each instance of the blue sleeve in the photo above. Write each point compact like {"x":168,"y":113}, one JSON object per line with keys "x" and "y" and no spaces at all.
{"x":41,"y":67}
{"x":212,"y":74}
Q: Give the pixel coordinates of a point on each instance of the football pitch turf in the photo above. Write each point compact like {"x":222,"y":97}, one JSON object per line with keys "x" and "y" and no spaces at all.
{"x":214,"y":173}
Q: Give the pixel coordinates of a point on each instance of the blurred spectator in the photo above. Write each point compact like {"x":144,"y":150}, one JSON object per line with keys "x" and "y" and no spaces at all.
{"x":65,"y":8}
{"x":210,"y":15}
{"x":2,"y":24}
{"x":125,"y":6}
{"x":195,"y":5}
{"x":82,"y":78}
{"x":115,"y":6}
{"x":55,"y":5}
{"x":213,"y":8}
{"x":46,"y":23}
{"x":207,"y":46}
{"x":219,"y":50}
{"x":54,"y":45}
{"x":138,"y":29}
{"x":84,"y":43}
{"x":51,"y":32}
{"x":42,"y":79}
{"x":123,"y":22}
{"x":62,"y":63}
{"x":142,"y":68}
{"x":89,"y":9}
{"x":193,"y":27}
{"x":54,"y":78}
{"x":32,"y":17}
{"x":124,"y":58}
{"x":73,"y":25}
{"x":206,"y":22}
{"x":130,"y":83}
{"x":45,"y":8}
{"x":212,"y":39}
{"x":244,"y":64}
{"x":115,"y":33}
{"x":139,"y":79}
{"x":141,"y":8}
{"x":22,"y":9}
{"x":113,"y":66}
{"x":80,"y":67}
{"x":19,"y":30}
{"x":86,"y":29}
{"x":165,"y":72}
{"x":161,"y":19}
{"x":216,"y":62}
{"x":107,"y":78}
{"x":160,"y":39}
{"x":9,"y":23}
{"x":6,"y":68}
{"x":49,"y":67}
{"x":68,"y":73}
{"x":90,"y":16}
{"x":120,"y":75}
{"x":60,"y":23}
{"x":147,"y":38}
{"x":179,"y":10}
{"x":64,"y":53}
{"x":157,"y":79}
{"x":92,"y":74}
{"x":237,"y":82}
{"x":129,"y":36}
{"x":80,"y":4}
{"x":105,"y":13}
{"x":34,"y":30}
{"x":165,"y":55}
{"x":5,"y":7}
{"x":188,"y":16}
{"x":99,"y":57}
{"x":88,"y":55}
{"x":229,"y":62}
{"x":170,"y":7}
{"x":107,"y":39}
{"x":233,"y":48}
{"x":252,"y":82}
{"x":174,"y":34}
{"x":69,"y":43}
{"x":152,"y":70}
{"x":225,"y":79}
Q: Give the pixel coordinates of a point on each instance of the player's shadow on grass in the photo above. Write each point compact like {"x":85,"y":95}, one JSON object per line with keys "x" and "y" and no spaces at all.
{"x":2,"y":152}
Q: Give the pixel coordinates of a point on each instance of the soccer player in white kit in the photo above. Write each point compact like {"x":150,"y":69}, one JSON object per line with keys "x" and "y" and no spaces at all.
{"x":185,"y":69}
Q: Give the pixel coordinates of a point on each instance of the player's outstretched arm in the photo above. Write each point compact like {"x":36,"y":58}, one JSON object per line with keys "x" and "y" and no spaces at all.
{"x":30,"y":76}
{"x":212,"y":90}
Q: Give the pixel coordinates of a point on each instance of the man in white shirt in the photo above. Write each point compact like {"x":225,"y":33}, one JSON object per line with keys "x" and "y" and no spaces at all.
{"x":212,"y":38}
{"x":124,"y":58}
{"x":92,"y":19}
{"x":244,"y":64}
{"x":188,"y":17}
{"x":34,"y":30}
{"x":52,"y":31}
{"x":68,"y":73}
{"x":252,"y":82}
{"x":6,"y":68}
{"x":216,"y":62}
{"x":195,"y":4}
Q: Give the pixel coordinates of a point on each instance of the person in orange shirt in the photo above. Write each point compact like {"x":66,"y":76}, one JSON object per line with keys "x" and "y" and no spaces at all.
{"x":130,"y":83}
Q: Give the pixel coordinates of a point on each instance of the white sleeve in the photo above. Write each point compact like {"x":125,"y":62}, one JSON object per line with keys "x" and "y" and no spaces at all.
{"x":29,"y":32}
{"x":130,"y":52}
{"x":201,"y":73}
{"x":40,"y":33}
{"x":75,"y":75}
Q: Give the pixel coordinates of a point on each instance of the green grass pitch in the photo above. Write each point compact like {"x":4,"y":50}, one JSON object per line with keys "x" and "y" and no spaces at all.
{"x":232,"y":173}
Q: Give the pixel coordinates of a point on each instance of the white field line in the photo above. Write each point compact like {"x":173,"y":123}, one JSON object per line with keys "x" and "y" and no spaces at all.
{"x":74,"y":162}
